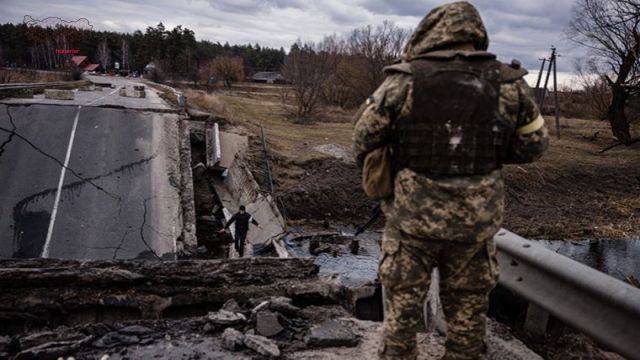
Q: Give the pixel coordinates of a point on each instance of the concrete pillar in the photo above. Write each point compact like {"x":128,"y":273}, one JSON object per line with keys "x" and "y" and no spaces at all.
{"x":536,"y":321}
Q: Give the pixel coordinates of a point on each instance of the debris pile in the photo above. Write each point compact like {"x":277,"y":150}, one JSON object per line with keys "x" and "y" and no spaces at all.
{"x":268,"y":326}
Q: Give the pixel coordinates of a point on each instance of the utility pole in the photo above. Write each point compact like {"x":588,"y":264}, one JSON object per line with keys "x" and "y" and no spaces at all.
{"x":551,"y":67}
{"x":544,"y":60}
{"x":555,"y":90}
{"x":546,"y":80}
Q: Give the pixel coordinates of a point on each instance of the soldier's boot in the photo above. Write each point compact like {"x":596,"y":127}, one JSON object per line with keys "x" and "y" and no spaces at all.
{"x":465,"y":300}
{"x":404,"y":273}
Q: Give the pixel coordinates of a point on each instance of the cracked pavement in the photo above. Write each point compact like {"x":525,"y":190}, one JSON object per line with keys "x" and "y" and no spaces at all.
{"x":117,"y":200}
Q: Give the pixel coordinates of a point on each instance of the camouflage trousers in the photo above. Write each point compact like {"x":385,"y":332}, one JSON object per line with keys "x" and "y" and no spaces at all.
{"x":468,"y":272}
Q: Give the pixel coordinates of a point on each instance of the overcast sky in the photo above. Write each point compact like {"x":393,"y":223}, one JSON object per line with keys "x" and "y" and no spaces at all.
{"x":523,"y":29}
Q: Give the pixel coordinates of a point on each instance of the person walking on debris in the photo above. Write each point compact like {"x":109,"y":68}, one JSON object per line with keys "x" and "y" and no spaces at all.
{"x":242,"y":220}
{"x":444,"y":121}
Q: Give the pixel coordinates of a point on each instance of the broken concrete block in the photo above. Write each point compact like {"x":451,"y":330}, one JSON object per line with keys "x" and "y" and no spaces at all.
{"x":232,"y":339}
{"x":316,"y":247}
{"x":224,"y":317}
{"x":113,"y":339}
{"x":135,"y":330}
{"x":283,"y":305}
{"x":331,"y":333}
{"x":138,"y":94}
{"x":57,"y":94}
{"x":262,"y":345}
{"x":267,"y":324}
{"x":208,"y":328}
{"x":138,"y":87}
{"x":261,"y":306}
{"x":122,"y":92}
{"x":231,"y":305}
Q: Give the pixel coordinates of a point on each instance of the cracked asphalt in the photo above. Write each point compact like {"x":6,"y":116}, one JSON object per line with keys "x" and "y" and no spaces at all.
{"x":117,"y":198}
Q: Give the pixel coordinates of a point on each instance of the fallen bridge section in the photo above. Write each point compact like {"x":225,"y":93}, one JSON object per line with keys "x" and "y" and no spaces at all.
{"x":46,"y":292}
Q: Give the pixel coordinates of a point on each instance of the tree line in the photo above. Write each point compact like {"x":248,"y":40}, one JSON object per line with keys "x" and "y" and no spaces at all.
{"x":174,"y":51}
{"x":340,"y":70}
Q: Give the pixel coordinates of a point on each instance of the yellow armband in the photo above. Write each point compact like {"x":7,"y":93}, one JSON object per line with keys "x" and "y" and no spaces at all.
{"x":533,"y":126}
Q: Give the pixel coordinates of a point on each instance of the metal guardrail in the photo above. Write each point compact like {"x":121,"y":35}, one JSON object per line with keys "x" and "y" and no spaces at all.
{"x":38,"y":85}
{"x":599,"y":305}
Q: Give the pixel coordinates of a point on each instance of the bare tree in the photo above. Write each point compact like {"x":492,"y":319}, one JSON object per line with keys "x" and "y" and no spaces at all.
{"x":595,"y":89}
{"x":226,"y":68}
{"x":308,"y":67}
{"x":375,"y":48}
{"x":104,"y":54}
{"x":610,"y":29}
{"x":363,"y":55}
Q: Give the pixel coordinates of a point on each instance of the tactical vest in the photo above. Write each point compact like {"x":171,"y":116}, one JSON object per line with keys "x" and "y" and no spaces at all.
{"x":454,"y":127}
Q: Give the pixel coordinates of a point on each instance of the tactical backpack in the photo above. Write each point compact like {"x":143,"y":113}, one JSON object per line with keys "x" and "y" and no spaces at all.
{"x":454,"y":127}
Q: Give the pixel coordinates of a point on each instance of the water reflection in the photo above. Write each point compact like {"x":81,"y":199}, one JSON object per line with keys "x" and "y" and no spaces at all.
{"x":618,"y":258}
{"x":354,"y":270}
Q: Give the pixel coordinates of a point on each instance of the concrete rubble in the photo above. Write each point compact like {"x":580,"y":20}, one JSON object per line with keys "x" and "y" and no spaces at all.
{"x":59,"y":94}
{"x":137,"y":91}
{"x":261,"y":345}
{"x":331,"y":333}
{"x":226,"y":318}
{"x":232,"y":339}
{"x":252,"y":317}
{"x":267,"y":323}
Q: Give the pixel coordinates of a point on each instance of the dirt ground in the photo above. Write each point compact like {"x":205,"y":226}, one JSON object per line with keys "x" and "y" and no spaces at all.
{"x":573,"y":192}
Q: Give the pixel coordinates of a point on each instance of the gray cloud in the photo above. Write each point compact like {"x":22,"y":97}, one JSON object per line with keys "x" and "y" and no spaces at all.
{"x":521,"y":29}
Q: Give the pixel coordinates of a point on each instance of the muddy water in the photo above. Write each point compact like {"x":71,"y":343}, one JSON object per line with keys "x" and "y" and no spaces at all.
{"x":355,"y":269}
{"x":617,"y":258}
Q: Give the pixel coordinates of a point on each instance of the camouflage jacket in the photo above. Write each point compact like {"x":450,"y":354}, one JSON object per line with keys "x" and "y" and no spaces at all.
{"x":459,"y":208}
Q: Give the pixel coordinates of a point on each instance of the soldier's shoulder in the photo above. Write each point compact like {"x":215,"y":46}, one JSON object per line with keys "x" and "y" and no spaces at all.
{"x":398,"y":68}
{"x":512,"y":72}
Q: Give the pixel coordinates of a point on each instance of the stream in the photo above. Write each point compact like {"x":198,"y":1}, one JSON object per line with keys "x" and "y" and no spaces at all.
{"x":617,"y":258}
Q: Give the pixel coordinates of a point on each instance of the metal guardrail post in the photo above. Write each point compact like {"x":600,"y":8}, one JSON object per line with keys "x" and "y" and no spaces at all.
{"x":599,"y":305}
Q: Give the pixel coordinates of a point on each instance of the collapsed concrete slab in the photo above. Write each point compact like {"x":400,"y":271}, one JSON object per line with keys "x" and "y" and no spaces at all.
{"x":235,"y":185}
{"x":47,"y":292}
{"x":58,"y":94}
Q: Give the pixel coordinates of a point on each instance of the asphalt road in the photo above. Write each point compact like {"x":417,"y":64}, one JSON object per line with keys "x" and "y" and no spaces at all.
{"x":117,"y":197}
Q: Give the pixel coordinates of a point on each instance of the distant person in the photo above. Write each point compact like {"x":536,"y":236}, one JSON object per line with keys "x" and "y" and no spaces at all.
{"x":432,"y":140}
{"x":242,"y":220}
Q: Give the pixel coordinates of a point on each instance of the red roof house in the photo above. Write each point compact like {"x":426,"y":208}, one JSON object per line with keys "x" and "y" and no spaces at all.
{"x":79,"y":61}
{"x":91,"y":67}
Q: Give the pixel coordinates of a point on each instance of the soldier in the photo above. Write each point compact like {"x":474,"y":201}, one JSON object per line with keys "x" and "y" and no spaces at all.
{"x":452,"y":115}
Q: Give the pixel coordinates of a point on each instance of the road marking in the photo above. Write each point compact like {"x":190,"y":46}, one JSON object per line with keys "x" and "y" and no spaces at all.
{"x":56,"y":202}
{"x":98,"y":99}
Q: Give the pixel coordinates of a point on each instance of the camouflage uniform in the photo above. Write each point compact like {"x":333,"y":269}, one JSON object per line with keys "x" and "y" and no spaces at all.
{"x":444,"y":222}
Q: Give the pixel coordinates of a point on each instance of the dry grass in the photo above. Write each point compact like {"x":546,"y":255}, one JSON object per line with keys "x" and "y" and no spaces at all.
{"x":206,"y":102}
{"x":31,"y":76}
{"x":291,"y":140}
{"x":574,"y":192}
